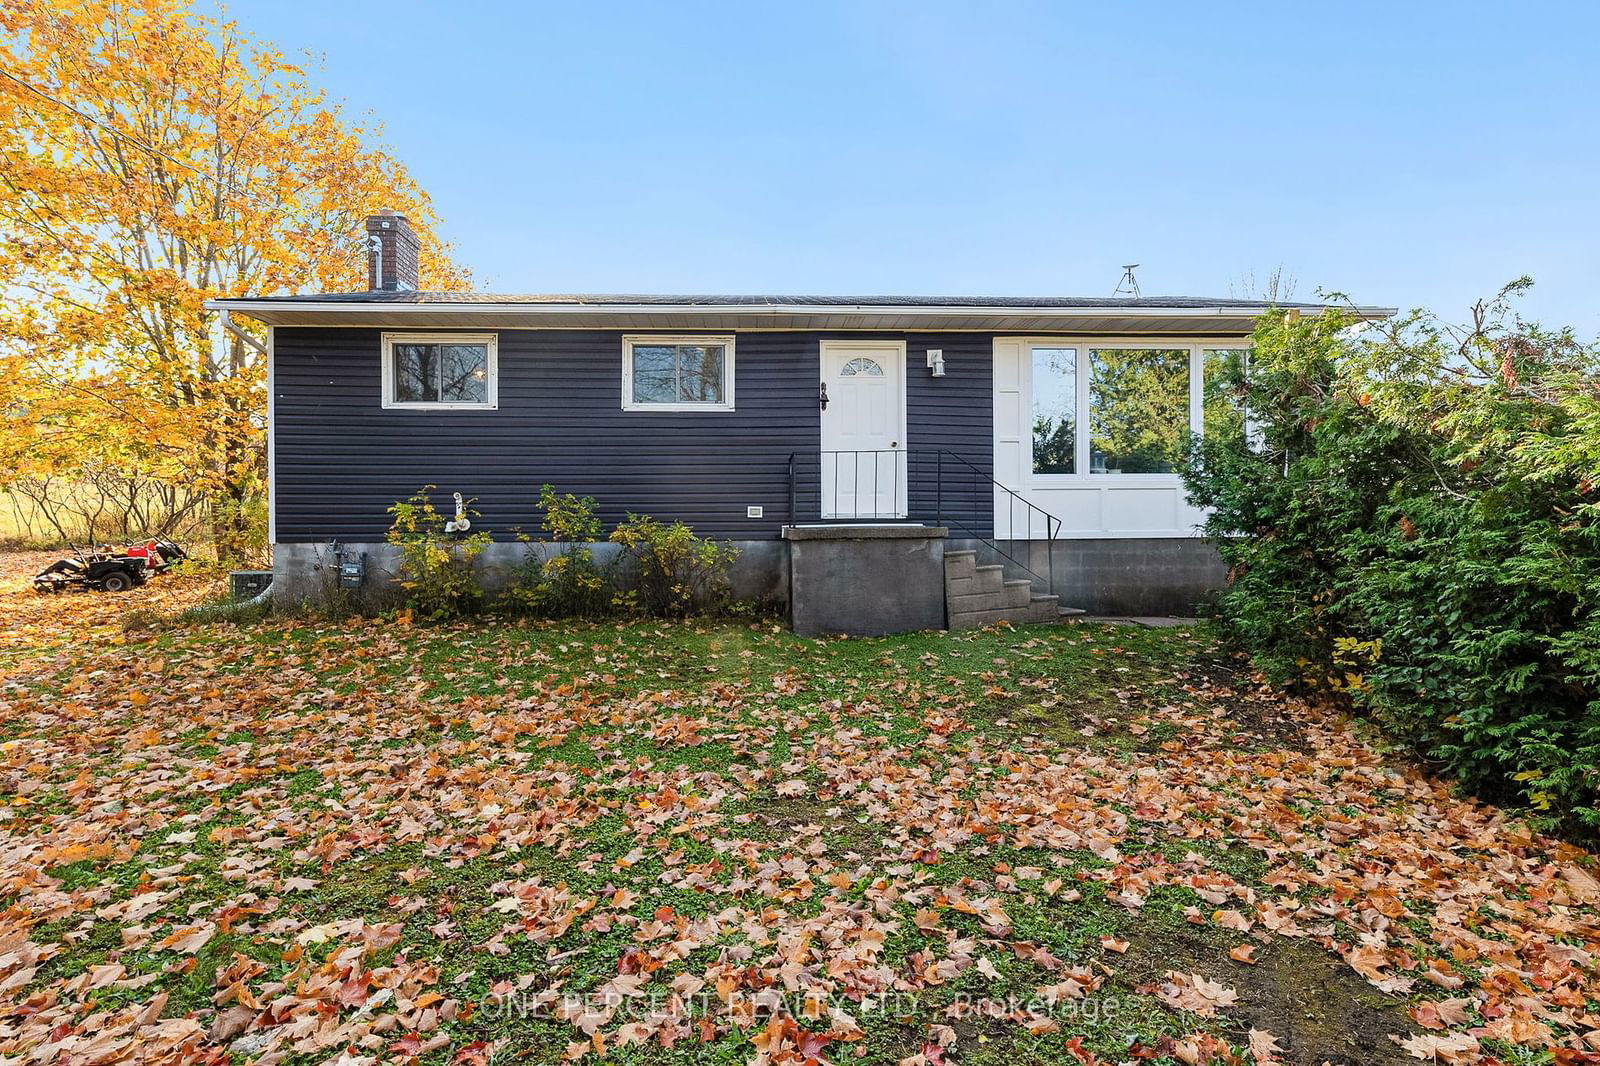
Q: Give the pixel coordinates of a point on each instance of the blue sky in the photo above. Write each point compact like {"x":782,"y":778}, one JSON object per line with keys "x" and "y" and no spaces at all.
{"x":1407,"y":154}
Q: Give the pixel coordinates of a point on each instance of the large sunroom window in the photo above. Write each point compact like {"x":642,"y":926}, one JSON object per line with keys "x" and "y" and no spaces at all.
{"x":1100,"y":410}
{"x":1138,"y":409}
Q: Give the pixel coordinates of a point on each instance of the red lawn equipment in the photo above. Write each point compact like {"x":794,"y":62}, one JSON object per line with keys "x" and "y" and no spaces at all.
{"x":159,"y":554}
{"x":104,"y":570}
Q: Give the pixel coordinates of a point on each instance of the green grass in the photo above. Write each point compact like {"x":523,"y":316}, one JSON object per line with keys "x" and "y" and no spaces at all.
{"x":391,"y":766}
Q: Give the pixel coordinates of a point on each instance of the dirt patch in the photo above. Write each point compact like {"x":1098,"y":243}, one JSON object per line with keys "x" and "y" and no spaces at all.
{"x":775,"y":818}
{"x":1319,"y":1010}
{"x":1237,"y":860}
{"x":1088,"y":722}
{"x":1263,"y":720}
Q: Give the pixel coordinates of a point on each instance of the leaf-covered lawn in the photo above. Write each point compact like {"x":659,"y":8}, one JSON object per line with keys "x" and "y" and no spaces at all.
{"x":653,"y":843}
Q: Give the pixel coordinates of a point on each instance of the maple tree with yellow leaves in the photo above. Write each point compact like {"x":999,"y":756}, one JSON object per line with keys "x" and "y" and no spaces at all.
{"x":152,"y":159}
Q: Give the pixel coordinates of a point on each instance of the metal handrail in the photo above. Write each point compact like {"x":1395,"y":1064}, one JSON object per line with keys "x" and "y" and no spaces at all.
{"x":960,"y":467}
{"x":1052,"y":524}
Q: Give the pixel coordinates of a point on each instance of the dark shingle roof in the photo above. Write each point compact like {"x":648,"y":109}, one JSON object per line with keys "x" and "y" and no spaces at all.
{"x":640,"y":300}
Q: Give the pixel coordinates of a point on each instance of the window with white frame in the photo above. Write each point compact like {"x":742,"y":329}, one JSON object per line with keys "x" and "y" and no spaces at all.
{"x":446,"y":371}
{"x":1222,"y":393}
{"x":1055,"y":410}
{"x":1108,"y":408}
{"x":689,"y":373}
{"x":1138,"y":409}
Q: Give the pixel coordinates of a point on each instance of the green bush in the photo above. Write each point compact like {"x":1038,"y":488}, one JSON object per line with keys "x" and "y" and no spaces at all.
{"x":1413,"y":528}
{"x":435,"y":566}
{"x":560,"y":577}
{"x":676,"y":572}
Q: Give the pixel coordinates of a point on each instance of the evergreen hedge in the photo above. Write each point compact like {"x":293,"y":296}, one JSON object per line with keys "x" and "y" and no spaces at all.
{"x":1410,"y":522}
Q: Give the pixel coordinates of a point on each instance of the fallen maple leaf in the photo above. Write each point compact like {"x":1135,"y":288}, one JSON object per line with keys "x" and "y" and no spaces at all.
{"x":1264,"y":1046}
{"x":1450,"y":1047}
{"x":189,"y":939}
{"x":1194,"y":992}
{"x":1231,"y":920}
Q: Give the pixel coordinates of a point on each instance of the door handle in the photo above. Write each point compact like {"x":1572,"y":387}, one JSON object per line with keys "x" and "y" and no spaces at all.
{"x":822,"y":394}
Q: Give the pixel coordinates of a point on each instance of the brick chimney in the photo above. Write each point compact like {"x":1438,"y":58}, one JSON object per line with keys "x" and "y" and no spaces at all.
{"x":392,"y":251}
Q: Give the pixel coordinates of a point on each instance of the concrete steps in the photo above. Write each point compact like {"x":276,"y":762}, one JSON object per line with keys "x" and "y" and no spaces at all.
{"x":978,"y":595}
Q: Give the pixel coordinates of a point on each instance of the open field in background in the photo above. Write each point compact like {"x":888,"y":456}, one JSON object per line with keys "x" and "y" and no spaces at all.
{"x":21,"y":521}
{"x":663,"y":843}
{"x":25,"y":523}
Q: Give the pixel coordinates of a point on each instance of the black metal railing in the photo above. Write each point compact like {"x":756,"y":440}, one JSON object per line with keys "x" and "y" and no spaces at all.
{"x":936,"y":486}
{"x":958,"y":469}
{"x":864,"y":484}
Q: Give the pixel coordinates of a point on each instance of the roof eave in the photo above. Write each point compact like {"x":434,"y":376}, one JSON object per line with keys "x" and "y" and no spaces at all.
{"x":1017,"y":318}
{"x":246,"y":304}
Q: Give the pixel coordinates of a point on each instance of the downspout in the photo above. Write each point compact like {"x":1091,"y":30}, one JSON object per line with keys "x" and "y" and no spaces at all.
{"x":227,"y":324}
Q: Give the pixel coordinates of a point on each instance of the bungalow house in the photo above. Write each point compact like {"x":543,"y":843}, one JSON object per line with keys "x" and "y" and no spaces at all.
{"x":882,"y":462}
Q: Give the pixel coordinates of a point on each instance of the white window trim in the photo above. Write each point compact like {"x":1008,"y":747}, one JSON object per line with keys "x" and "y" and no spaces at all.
{"x":631,"y":339}
{"x":1081,"y":345}
{"x":489,"y":340}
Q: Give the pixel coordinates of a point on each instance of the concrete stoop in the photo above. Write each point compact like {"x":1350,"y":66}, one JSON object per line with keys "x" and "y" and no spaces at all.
{"x":978,"y":595}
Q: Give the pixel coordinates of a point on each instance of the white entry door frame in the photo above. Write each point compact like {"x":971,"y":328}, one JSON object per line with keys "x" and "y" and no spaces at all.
{"x":864,"y":457}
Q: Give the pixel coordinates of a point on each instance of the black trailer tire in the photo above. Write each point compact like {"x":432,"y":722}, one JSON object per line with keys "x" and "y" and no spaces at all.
{"x":117,"y":581}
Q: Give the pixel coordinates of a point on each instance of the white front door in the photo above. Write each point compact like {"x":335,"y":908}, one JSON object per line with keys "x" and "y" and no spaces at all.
{"x":864,"y":430}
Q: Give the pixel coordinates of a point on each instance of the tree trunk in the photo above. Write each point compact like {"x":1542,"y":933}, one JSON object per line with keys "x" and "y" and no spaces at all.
{"x":230,"y":523}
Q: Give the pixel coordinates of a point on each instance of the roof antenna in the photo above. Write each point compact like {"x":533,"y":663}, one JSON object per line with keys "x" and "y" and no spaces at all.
{"x":1128,"y":280}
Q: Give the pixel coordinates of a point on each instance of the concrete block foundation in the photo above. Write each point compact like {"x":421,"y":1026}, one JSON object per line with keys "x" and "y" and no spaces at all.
{"x":305,"y":573}
{"x":1126,"y":576}
{"x":865,"y":580}
{"x":844,"y":579}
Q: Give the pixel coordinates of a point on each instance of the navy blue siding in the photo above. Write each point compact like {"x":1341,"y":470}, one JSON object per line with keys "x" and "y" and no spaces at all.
{"x":341,"y":459}
{"x":948,"y":420}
